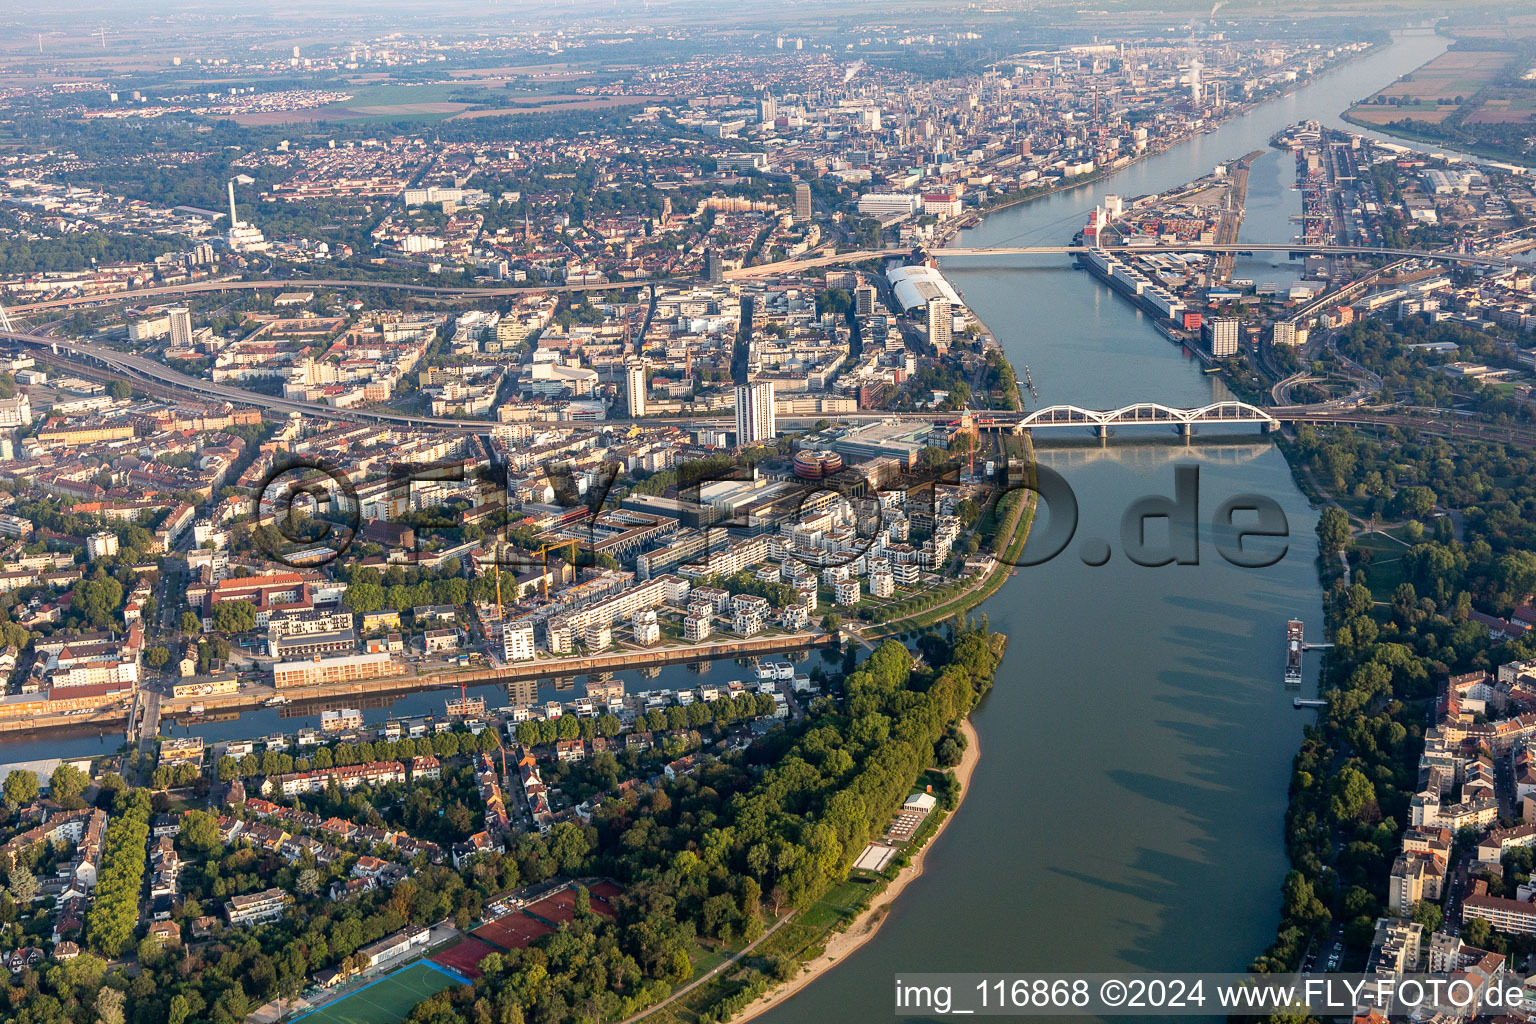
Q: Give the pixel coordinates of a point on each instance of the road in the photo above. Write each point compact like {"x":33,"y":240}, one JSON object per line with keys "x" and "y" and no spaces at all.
{"x":800,"y":263}
{"x":142,"y":370}
{"x":860,"y":255}
{"x":149,"y":721}
{"x":103,"y":363}
{"x":305,"y":284}
{"x":1366,"y":382}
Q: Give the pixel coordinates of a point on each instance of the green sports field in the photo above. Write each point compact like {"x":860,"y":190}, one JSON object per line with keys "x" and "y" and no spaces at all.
{"x":386,"y":1001}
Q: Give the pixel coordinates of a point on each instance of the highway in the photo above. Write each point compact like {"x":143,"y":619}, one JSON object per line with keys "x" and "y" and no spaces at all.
{"x":739,"y":274}
{"x":305,"y":284}
{"x":141,"y":370}
{"x":860,"y":255}
{"x":110,"y":364}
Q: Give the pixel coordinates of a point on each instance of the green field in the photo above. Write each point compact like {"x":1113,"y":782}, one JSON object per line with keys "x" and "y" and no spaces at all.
{"x":386,"y":1001}
{"x":1385,"y":571}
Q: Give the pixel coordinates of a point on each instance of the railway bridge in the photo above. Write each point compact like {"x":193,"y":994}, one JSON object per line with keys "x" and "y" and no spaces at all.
{"x":1147,"y":414}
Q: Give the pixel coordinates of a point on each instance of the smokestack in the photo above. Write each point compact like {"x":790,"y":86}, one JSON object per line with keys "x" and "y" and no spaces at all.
{"x":232,"y":221}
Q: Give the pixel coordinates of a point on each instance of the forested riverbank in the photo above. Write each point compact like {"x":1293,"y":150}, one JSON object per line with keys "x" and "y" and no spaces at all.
{"x":1402,"y":623}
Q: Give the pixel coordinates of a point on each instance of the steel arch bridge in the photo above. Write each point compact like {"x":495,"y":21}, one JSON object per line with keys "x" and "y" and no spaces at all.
{"x":1147,"y":413}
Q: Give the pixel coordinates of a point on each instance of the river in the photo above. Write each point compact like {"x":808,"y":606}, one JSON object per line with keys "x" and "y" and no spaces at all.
{"x":1127,"y":811}
{"x":1128,"y":808}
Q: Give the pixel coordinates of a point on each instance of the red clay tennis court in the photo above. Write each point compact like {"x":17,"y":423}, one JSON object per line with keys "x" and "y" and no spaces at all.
{"x":515,"y":931}
{"x":465,"y":956}
{"x":556,"y":908}
{"x":603,"y":894}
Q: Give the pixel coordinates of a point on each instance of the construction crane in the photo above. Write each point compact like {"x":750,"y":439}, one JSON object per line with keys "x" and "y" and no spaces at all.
{"x":543,"y":554}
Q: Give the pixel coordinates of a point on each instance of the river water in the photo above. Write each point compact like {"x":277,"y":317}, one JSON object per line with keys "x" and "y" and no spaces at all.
{"x":1127,"y":811}
{"x":259,"y":722}
{"x":1128,"y":808}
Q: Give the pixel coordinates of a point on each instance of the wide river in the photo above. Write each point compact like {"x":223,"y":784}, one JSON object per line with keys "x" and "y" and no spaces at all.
{"x":1127,"y":811}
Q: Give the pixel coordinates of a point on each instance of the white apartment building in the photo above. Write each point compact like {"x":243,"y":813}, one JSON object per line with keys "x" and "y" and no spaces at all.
{"x":517,"y":641}
{"x":755,"y":423}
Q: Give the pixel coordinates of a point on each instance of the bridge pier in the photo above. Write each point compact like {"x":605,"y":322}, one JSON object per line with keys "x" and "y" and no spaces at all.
{"x":1186,"y":431}
{"x":1103,"y":431}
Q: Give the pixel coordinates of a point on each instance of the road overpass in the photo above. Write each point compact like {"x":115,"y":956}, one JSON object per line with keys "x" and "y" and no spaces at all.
{"x":157,"y":378}
{"x":861,"y":255}
{"x":797,"y":264}
{"x":304,"y":283}
{"x":107,"y":364}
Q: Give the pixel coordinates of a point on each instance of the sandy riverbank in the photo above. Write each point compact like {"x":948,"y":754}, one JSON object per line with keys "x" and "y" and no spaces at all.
{"x":864,"y":927}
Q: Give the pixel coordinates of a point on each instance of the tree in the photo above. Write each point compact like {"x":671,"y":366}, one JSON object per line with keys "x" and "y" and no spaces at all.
{"x":97,"y":600}
{"x":1414,"y":502}
{"x":1352,"y":794}
{"x":831,"y":622}
{"x":200,"y":831}
{"x":20,"y":787}
{"x":24,"y":887}
{"x":1428,"y":914}
{"x":120,"y":390}
{"x":363,"y":597}
{"x":157,"y":657}
{"x":109,"y":1001}
{"x":234,"y":616}
{"x":67,"y":783}
{"x":190,"y":623}
{"x":1333,"y":532}
{"x":1476,"y":932}
{"x":114,"y":911}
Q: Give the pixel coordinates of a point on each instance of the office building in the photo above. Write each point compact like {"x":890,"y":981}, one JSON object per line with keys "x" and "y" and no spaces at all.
{"x":864,"y":300}
{"x":754,"y":413}
{"x":1221,"y":336}
{"x":634,"y":387}
{"x":941,"y":323}
{"x":714,"y":267}
{"x":344,"y":669}
{"x":802,"y":202}
{"x":181,"y":327}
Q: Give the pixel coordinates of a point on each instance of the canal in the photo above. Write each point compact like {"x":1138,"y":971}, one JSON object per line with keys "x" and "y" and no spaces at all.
{"x":1127,"y":810}
{"x":258,"y":722}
